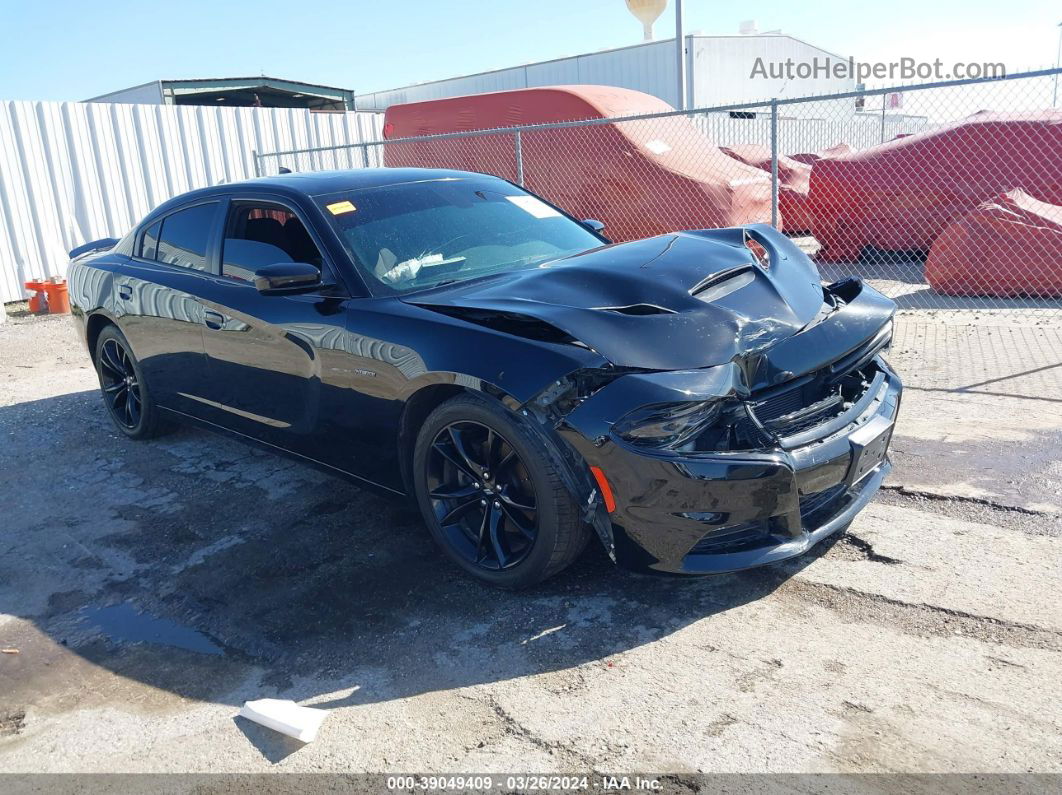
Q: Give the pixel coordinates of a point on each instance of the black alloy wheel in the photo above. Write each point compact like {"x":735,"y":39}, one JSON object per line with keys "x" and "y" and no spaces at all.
{"x":125,"y":392}
{"x":121,"y":387}
{"x":482,"y":495}
{"x":490,"y":487}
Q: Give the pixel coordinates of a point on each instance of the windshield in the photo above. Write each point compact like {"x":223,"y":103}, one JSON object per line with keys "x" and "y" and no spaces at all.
{"x":422,"y":234}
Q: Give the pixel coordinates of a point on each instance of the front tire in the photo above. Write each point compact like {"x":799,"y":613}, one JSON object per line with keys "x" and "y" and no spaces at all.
{"x":487,"y":486}
{"x":125,"y":392}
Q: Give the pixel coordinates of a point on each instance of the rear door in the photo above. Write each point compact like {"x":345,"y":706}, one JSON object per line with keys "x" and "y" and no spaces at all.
{"x":157,"y":302}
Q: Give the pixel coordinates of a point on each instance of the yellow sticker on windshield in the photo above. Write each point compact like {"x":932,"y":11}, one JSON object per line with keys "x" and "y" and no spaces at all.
{"x":338,"y":208}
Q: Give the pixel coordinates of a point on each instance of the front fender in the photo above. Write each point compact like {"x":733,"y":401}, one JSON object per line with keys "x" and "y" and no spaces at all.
{"x":425,"y":348}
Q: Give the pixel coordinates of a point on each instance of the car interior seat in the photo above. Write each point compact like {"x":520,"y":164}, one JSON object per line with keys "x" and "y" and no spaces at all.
{"x":299,"y":244}
{"x":266,"y":230}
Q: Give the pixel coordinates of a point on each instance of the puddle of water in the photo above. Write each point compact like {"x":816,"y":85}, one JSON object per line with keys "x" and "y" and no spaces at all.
{"x":123,"y":623}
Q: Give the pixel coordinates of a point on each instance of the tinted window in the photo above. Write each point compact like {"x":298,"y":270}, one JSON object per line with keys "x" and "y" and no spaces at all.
{"x":415,"y":235}
{"x":258,"y":235}
{"x":185,"y":235}
{"x":244,"y":257}
{"x":149,"y":243}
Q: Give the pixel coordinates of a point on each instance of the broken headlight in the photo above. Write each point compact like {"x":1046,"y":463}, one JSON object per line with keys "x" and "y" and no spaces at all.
{"x":667,"y":425}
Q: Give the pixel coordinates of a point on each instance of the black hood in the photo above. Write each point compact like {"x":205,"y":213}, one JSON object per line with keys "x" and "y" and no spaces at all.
{"x":673,"y":302}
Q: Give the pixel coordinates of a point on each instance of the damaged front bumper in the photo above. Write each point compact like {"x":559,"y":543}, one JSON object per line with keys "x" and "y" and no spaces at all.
{"x":713,"y":512}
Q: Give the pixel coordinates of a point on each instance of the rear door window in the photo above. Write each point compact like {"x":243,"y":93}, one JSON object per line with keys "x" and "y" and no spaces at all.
{"x":185,"y":236}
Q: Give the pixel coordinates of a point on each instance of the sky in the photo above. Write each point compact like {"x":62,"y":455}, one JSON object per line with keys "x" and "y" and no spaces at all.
{"x":72,"y":50}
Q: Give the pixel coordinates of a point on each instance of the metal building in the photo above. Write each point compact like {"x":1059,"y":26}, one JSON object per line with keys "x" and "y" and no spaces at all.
{"x":719,"y":71}
{"x":245,"y":92}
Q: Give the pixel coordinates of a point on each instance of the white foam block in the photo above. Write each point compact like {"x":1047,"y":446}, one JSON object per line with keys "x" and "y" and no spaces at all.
{"x":286,"y":717}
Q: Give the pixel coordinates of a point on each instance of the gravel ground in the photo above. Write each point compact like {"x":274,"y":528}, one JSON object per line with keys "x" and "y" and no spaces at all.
{"x":151,"y":588}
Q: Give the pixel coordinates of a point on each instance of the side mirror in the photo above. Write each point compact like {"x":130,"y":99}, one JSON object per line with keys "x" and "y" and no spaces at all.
{"x":595,"y":226}
{"x":287,"y":278}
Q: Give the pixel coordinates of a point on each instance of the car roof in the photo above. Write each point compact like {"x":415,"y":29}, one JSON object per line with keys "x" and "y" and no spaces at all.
{"x":315,"y":183}
{"x":318,"y":183}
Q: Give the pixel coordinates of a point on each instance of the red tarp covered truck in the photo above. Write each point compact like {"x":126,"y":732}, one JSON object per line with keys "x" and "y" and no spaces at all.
{"x":793,"y":179}
{"x":900,"y":196}
{"x":1010,"y":246}
{"x":811,"y":158}
{"x":640,"y":178}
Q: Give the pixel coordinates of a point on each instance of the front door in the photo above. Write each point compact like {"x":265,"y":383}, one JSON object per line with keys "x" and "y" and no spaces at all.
{"x":276,"y":364}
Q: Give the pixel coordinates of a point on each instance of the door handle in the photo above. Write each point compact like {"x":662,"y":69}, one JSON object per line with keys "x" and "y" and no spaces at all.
{"x":214,"y":320}
{"x":125,"y":292}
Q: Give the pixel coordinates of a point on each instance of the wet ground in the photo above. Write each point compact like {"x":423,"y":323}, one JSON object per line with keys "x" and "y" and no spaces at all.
{"x":149,"y":589}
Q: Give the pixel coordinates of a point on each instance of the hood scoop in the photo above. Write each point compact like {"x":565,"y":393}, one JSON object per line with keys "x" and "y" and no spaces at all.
{"x":637,"y":310}
{"x":723,"y":284}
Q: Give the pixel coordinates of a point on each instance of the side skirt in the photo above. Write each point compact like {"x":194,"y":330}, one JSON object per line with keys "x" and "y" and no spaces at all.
{"x":357,"y":480}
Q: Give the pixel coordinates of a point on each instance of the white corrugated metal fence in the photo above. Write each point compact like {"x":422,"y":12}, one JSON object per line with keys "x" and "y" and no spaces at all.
{"x":71,"y":172}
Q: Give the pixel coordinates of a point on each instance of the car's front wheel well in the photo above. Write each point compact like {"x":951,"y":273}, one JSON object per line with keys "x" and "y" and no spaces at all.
{"x":418,"y":407}
{"x":95,"y":324}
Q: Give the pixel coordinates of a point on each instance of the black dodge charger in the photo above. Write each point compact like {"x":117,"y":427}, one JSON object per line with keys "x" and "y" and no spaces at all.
{"x":700,"y":401}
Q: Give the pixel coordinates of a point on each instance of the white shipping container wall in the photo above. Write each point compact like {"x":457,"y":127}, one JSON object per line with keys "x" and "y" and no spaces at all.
{"x":72,"y":172}
{"x":808,"y":135}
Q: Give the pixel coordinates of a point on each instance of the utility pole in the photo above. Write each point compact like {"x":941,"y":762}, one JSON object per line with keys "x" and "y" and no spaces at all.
{"x":680,"y":54}
{"x":1058,"y":62}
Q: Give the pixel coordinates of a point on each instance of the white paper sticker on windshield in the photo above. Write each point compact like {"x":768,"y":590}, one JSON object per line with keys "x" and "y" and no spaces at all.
{"x":536,"y":207}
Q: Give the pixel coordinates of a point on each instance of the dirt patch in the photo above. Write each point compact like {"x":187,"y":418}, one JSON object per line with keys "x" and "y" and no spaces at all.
{"x":12,"y":723}
{"x":852,"y":547}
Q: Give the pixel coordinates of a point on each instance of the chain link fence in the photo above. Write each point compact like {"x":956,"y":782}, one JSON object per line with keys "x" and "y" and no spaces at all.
{"x":944,"y":196}
{"x":947,"y":197}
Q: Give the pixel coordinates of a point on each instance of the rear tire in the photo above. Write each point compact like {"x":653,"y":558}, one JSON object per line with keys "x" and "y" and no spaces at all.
{"x":125,"y":392}
{"x":511,"y":528}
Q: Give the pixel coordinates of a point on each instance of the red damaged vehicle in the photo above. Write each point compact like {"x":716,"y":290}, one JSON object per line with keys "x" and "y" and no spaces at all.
{"x":901,"y":195}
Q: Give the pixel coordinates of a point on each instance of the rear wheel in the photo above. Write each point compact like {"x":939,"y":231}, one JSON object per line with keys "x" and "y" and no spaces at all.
{"x":125,"y":393}
{"x":487,"y":486}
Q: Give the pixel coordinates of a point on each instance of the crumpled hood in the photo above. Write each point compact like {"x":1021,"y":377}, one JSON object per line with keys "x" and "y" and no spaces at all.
{"x":674,"y":302}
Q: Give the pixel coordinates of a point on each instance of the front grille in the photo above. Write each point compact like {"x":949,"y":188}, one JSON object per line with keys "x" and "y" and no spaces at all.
{"x":800,"y":411}
{"x":779,"y":405}
{"x":808,"y":402}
